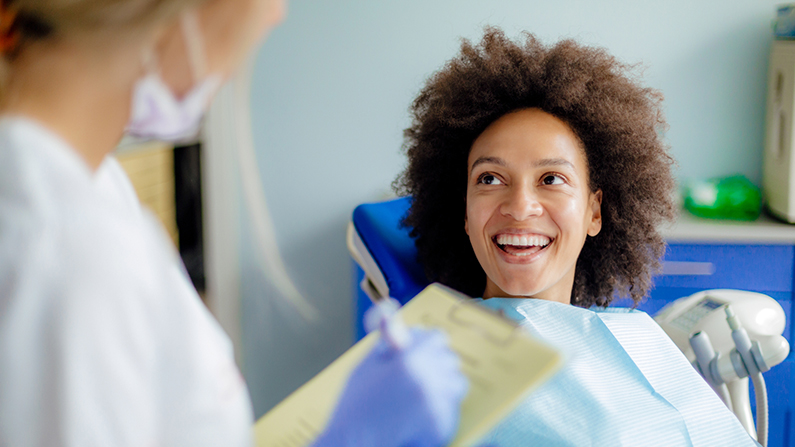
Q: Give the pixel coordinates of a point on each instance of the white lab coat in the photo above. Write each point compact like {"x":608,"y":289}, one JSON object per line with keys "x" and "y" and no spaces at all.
{"x":103,"y":340}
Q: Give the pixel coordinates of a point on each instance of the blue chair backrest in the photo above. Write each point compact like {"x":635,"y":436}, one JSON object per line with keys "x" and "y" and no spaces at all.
{"x":390,"y":245}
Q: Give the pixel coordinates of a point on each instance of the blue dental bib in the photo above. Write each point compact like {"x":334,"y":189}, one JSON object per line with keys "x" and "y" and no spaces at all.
{"x":624,"y":383}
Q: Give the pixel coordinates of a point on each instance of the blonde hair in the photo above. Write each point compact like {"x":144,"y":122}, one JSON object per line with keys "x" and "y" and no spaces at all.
{"x":101,"y":20}
{"x":38,"y":19}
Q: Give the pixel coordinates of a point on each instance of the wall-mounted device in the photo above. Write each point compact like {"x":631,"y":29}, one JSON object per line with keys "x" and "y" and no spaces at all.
{"x":778,"y":181}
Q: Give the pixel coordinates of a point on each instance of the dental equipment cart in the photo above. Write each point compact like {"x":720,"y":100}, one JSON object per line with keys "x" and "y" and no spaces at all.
{"x":757,"y":256}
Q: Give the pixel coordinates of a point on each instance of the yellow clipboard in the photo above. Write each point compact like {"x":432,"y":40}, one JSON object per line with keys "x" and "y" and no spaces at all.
{"x":502,"y":362}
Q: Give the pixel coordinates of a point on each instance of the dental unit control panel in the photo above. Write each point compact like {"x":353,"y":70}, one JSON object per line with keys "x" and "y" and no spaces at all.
{"x":730,"y":336}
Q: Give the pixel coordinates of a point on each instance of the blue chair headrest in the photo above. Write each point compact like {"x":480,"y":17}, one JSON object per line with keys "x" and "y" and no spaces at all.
{"x":390,"y":245}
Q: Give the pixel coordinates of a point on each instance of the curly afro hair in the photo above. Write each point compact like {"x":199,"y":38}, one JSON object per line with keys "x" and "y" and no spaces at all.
{"x":618,"y":121}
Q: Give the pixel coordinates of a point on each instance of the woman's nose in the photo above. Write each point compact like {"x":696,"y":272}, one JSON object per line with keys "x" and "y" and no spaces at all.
{"x":521,"y":204}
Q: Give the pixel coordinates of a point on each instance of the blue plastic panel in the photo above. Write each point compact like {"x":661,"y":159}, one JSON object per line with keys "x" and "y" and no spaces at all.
{"x":767,"y":268}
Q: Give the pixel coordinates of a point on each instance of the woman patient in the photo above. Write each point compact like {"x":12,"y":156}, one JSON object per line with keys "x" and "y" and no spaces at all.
{"x":539,"y":180}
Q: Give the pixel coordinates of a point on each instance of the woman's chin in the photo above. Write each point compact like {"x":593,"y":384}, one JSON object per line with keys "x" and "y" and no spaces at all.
{"x":523,"y":289}
{"x":516,"y":291}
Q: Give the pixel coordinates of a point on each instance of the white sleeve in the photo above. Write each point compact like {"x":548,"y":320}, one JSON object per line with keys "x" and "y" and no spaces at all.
{"x":105,"y":343}
{"x":78,"y":363}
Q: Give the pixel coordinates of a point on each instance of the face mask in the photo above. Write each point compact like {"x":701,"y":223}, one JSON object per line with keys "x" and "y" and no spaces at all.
{"x":156,"y":111}
{"x":158,"y":114}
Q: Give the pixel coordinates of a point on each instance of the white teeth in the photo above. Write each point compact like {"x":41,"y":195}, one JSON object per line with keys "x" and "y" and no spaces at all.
{"x":521,"y":240}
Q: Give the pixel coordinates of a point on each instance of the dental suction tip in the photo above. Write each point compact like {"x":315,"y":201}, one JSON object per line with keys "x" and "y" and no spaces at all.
{"x":731,"y":318}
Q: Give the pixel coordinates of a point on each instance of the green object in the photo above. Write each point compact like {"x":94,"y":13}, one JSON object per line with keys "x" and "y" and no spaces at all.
{"x":733,"y":197}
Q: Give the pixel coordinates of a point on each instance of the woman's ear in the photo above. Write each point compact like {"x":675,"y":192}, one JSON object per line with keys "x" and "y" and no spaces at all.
{"x":466,"y":225}
{"x":595,"y":226}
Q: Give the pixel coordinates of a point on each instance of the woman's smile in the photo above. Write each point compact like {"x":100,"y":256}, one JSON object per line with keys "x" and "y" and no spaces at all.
{"x":521,"y":248}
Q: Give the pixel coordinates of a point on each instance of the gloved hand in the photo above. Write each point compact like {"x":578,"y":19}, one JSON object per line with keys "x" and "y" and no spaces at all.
{"x":400,"y":397}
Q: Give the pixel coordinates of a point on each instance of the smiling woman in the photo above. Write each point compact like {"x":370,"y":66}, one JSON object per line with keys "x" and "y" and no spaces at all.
{"x":539,"y":179}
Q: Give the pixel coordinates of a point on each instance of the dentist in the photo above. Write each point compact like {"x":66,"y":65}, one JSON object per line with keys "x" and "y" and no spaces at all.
{"x":103,"y":340}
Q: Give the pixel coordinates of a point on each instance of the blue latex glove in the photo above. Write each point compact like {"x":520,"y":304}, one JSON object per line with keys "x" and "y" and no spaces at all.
{"x":400,"y":397}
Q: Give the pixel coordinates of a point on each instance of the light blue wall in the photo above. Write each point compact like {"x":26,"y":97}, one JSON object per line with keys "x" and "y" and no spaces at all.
{"x":330,"y":97}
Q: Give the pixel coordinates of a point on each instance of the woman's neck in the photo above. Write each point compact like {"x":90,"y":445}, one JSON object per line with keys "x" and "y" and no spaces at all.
{"x":560,"y":291}
{"x":81,"y":92}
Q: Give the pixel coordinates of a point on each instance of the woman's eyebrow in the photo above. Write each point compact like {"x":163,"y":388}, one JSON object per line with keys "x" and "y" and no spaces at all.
{"x":547,"y":162}
{"x":493,"y":160}
{"x":544,"y":163}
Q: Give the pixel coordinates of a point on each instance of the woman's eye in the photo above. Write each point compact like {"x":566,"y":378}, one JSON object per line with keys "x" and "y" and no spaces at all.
{"x":552,"y":179}
{"x":488,"y":179}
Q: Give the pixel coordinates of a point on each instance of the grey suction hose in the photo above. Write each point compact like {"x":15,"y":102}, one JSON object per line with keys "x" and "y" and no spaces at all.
{"x":744,"y":359}
{"x":723,"y":393}
{"x":706,"y":364}
{"x":760,"y":389}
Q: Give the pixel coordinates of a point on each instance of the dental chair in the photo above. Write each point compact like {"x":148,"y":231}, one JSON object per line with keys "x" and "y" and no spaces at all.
{"x":385,"y":256}
{"x":386,"y":265}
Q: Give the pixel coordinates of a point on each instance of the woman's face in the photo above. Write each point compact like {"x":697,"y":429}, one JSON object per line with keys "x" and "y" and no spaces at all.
{"x":529,"y":207}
